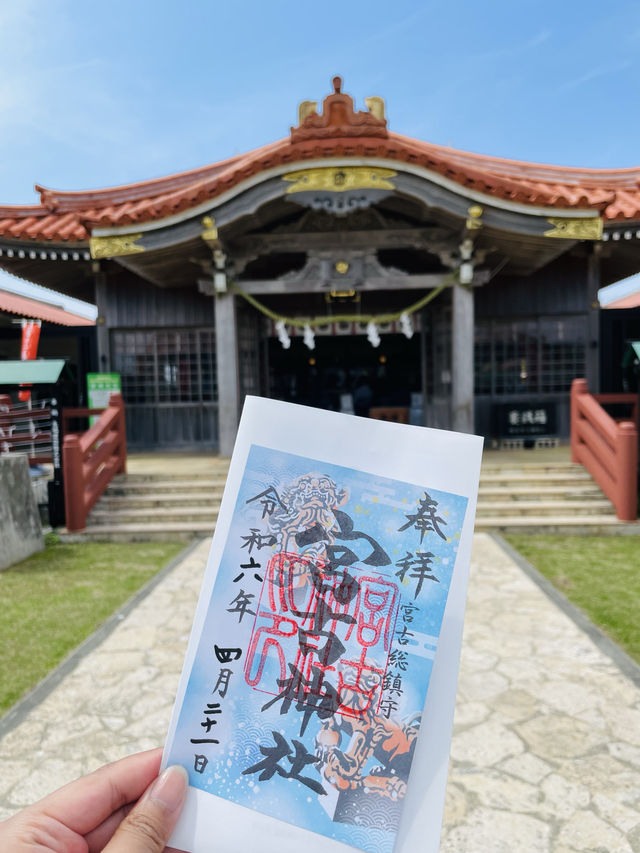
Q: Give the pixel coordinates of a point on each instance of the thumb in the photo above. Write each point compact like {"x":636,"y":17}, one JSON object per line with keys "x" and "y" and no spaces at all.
{"x":147,"y":827}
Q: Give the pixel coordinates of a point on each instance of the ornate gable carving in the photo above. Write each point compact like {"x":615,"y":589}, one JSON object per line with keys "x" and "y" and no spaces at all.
{"x":339,"y":118}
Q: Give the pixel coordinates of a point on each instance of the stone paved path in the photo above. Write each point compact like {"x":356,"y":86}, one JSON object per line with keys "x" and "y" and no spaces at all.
{"x":546,"y":747}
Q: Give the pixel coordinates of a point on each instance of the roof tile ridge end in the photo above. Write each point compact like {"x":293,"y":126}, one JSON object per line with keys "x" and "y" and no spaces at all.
{"x":18,"y":211}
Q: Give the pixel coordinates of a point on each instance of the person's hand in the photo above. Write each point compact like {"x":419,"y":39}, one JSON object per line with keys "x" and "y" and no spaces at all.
{"x":121,"y":808}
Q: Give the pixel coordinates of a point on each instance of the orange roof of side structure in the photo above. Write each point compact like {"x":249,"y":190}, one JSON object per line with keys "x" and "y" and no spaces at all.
{"x":23,"y":306}
{"x":338,"y":132}
{"x":631,"y":300}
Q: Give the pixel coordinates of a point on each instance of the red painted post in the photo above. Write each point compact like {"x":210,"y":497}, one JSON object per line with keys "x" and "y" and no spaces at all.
{"x":578,"y":387}
{"x":626,"y":502}
{"x":73,"y":483}
{"x":116,"y":400}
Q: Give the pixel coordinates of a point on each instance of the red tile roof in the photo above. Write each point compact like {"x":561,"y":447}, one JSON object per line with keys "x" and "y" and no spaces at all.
{"x":338,"y":132}
{"x":25,"y":307}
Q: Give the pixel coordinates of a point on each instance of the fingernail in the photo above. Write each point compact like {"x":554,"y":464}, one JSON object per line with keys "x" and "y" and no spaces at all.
{"x":170,"y":788}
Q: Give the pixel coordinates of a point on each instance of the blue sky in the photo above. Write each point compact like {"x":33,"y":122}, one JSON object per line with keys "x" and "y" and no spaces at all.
{"x":94,"y":95}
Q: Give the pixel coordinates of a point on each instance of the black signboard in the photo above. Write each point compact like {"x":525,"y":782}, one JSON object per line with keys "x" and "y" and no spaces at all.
{"x":524,"y":420}
{"x":55,"y":486}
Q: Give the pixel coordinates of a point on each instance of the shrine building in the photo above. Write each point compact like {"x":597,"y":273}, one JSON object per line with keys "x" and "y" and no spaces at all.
{"x":347,"y":267}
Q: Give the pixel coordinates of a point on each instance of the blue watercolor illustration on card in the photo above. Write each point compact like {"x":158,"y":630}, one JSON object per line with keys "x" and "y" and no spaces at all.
{"x":305,"y":697}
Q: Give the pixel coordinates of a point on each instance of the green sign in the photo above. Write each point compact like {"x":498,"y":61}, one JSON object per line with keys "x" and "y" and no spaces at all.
{"x":100,"y":386}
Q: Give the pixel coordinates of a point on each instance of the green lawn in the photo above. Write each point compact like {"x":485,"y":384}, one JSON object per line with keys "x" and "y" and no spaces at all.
{"x":52,"y":601}
{"x":601,"y":576}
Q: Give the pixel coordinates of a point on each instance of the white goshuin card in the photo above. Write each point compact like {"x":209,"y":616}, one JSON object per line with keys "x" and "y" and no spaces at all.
{"x":315,"y":707}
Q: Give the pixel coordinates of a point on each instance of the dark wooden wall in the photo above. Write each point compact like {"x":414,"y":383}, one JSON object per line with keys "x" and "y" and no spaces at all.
{"x":560,"y":288}
{"x":135,"y":304}
{"x":556,"y":290}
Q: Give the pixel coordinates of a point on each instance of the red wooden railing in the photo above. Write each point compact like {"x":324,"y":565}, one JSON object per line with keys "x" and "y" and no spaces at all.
{"x":90,"y":460}
{"x":607,"y":448}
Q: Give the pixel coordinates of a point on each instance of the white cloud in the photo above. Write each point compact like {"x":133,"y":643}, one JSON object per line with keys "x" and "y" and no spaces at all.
{"x":593,"y":74}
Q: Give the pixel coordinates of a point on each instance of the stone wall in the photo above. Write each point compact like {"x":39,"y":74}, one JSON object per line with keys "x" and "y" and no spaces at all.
{"x":20,"y":528}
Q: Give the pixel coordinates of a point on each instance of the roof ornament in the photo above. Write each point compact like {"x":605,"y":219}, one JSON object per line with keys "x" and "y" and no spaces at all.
{"x":474,"y":220}
{"x":587,"y":228}
{"x":306,"y":108}
{"x":339,"y":117}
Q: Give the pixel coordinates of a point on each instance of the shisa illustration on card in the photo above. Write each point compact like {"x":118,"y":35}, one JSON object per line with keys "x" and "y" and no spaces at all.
{"x":305,"y":696}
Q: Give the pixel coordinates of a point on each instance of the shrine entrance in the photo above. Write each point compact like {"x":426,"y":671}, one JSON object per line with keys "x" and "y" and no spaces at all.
{"x":346,"y":373}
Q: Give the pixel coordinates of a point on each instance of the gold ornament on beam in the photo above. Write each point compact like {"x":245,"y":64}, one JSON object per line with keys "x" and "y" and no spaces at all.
{"x":340,"y":179}
{"x":113,"y":246}
{"x":342,"y":296}
{"x":474,"y":222}
{"x":575,"y":229}
{"x":210,"y":233}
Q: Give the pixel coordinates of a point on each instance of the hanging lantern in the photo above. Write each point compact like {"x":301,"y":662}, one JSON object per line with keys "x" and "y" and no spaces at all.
{"x":28,"y":350}
{"x":283,"y":335}
{"x":406,"y":325}
{"x":308,"y":337}
{"x":372,"y":334}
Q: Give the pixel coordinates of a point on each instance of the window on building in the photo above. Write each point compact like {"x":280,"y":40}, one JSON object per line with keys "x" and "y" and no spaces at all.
{"x":166,"y":365}
{"x":540,"y":356}
{"x":562,"y":353}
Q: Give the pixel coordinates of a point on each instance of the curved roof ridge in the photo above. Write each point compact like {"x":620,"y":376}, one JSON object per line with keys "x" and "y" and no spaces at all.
{"x":67,"y":200}
{"x":628,"y":176}
{"x":614,"y":193}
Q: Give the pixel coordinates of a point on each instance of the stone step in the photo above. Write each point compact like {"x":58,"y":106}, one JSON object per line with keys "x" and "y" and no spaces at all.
{"x":206,"y":474}
{"x":533,"y":480}
{"x":153,"y":486}
{"x":586,"y":493}
{"x":504,"y":508}
{"x":574,"y":525}
{"x":156,"y":532}
{"x":203,"y":514}
{"x":532,"y":467}
{"x":152,"y":500}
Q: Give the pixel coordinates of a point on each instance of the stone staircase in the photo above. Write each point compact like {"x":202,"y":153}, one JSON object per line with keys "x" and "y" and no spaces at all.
{"x":542,"y":497}
{"x":156,"y":507}
{"x":514,"y":496}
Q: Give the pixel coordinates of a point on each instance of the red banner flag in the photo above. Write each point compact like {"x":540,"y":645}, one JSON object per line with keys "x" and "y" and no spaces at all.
{"x":28,"y":350}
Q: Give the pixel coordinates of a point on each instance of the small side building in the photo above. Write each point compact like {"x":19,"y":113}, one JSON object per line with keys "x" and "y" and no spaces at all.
{"x":63,"y":335}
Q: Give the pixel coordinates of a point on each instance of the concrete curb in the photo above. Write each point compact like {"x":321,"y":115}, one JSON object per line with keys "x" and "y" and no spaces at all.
{"x":606,"y":645}
{"x":16,"y":714}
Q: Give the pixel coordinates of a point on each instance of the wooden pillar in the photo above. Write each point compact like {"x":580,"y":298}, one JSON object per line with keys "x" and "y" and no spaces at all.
{"x":592,"y":355}
{"x":462,"y":340}
{"x":227,"y":371}
{"x":424,"y":363}
{"x":102,"y":329}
